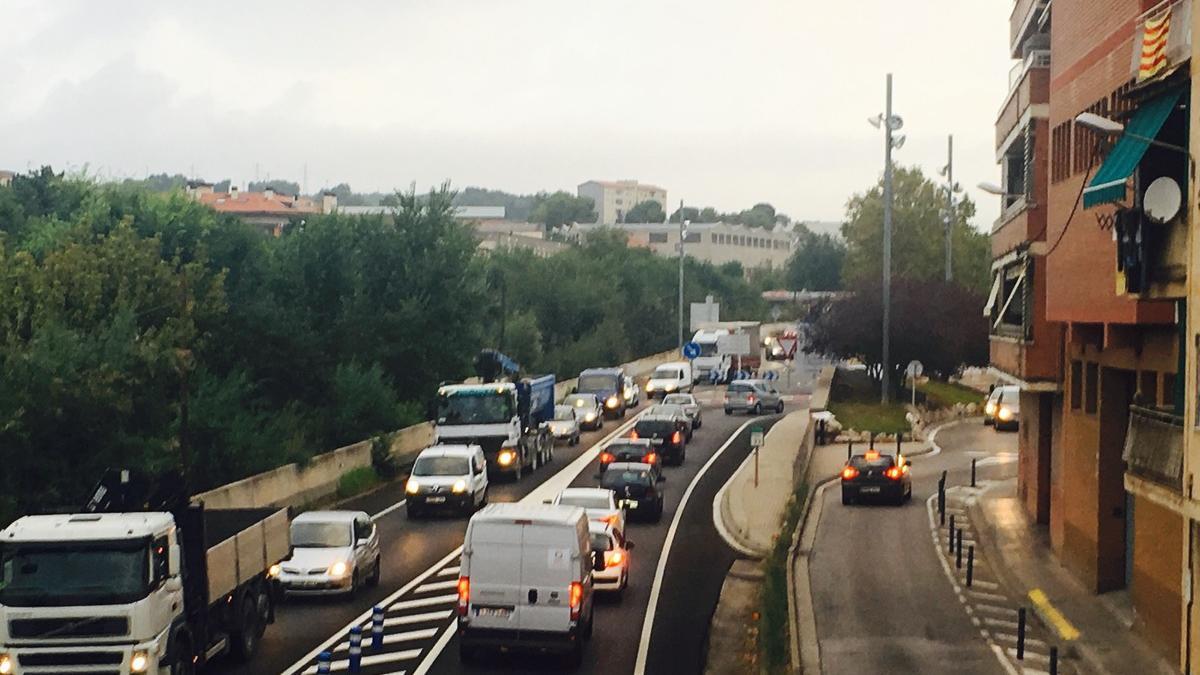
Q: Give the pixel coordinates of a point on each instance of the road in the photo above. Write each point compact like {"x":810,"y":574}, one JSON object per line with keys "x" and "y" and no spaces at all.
{"x":882,"y":600}
{"x":421,"y":559}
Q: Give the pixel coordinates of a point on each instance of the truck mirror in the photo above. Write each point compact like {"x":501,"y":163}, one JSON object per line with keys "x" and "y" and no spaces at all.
{"x":173,"y":565}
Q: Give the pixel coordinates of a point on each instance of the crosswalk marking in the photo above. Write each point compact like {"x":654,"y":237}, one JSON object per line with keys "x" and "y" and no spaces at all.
{"x":436,"y":586}
{"x":344,"y":664}
{"x":417,"y":618}
{"x":425,"y":602}
{"x":423,"y":634}
{"x":449,"y":571}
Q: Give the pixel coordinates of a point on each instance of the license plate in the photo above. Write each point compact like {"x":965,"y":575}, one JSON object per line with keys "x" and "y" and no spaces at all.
{"x":435,"y":500}
{"x":629,"y":503}
{"x":493,"y":612}
{"x":870,"y":489}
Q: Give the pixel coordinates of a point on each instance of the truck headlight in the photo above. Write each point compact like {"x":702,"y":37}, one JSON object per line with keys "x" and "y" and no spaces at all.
{"x":338,"y":569}
{"x":1005,"y":414}
{"x":459,"y":487}
{"x":274,"y":571}
{"x":506,"y":457}
{"x":412,"y":487}
{"x":6,"y":664}
{"x":612,"y":402}
{"x":139,"y":662}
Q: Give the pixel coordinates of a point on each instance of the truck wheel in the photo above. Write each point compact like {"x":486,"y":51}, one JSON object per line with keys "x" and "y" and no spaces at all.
{"x":181,"y":657}
{"x":245,"y":639}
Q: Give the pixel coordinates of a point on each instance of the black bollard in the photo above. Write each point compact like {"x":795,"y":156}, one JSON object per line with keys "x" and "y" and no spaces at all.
{"x":849,"y":450}
{"x":1054,"y":661}
{"x":970,"y":565}
{"x":958,"y":551}
{"x":871,"y":445}
{"x":973,"y":472}
{"x":950,"y":531}
{"x":898,"y":437}
{"x":1021,"y":634}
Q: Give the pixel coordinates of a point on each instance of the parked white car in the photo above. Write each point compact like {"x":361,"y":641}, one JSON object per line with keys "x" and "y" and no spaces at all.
{"x":450,"y":477}
{"x":525,"y":581}
{"x":599,"y":504}
{"x":565,"y":425}
{"x":610,"y":544}
{"x":333,"y":552}
{"x":670,"y":378}
{"x":691,"y":407}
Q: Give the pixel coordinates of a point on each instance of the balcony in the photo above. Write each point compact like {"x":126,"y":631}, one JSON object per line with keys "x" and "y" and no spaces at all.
{"x":1028,"y":85}
{"x":1027,"y":19}
{"x":1154,"y":448}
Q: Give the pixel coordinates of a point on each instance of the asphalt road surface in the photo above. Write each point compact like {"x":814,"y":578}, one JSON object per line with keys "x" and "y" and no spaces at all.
{"x":882,"y":601}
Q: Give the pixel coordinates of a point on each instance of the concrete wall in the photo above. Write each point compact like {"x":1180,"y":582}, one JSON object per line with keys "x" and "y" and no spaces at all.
{"x":296,"y":485}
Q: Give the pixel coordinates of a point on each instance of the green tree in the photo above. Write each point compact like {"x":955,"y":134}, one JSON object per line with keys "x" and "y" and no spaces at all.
{"x":816,"y":264}
{"x":562,"y":208}
{"x":648,"y":211}
{"x":285,"y":187}
{"x":918,"y":237}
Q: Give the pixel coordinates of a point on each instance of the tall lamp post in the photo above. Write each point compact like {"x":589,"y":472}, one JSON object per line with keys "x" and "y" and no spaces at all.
{"x":948,"y":221}
{"x":890,"y":123}
{"x":683,"y":225}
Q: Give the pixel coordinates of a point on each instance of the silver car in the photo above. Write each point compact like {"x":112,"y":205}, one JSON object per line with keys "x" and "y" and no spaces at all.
{"x":752,"y":396}
{"x":565,"y":425}
{"x":333,"y":552}
{"x":691,"y":407}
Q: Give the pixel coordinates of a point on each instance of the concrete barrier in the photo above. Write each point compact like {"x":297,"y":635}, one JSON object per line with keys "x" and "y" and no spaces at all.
{"x":296,"y":485}
{"x":819,"y":400}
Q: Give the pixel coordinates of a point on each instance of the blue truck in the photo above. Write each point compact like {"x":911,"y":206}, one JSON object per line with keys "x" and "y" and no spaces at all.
{"x":506,"y":415}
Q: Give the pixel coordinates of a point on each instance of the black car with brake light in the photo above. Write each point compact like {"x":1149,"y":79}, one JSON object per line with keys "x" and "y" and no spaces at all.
{"x":640,"y":450}
{"x":637,"y":487}
{"x":876,"y":475}
{"x":666,"y":433}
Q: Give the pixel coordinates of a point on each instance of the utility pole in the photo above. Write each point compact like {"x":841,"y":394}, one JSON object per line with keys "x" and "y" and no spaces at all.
{"x":682,"y":234}
{"x":887,"y":245}
{"x":949,"y":220}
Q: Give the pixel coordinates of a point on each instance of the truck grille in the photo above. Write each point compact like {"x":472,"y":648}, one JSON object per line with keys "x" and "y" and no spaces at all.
{"x":72,"y":659}
{"x":72,"y":627}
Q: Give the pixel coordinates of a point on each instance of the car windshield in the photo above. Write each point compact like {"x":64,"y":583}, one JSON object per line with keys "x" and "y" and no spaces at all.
{"x":666,"y":409}
{"x":581,"y":401}
{"x":654,"y":428}
{"x":615,"y":479}
{"x":666,"y":374}
{"x":678,"y":399}
{"x":597,"y":383}
{"x":585,"y":501}
{"x":492,"y":407}
{"x":708,"y":349}
{"x":880,"y":462}
{"x":601,"y":542}
{"x":564,"y":413}
{"x":315,"y":534}
{"x":91,"y":573}
{"x":441,"y":466}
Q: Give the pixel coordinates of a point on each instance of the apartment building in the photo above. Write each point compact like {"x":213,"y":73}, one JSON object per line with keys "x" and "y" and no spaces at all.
{"x":717,"y":243}
{"x":1088,"y":304}
{"x":613,"y":199}
{"x":269,"y":210}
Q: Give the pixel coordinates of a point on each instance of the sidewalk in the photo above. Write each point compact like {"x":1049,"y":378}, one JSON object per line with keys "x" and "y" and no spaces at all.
{"x":1104,"y":645}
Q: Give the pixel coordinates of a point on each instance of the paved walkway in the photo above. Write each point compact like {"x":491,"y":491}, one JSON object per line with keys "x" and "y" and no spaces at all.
{"x":1086,"y":628}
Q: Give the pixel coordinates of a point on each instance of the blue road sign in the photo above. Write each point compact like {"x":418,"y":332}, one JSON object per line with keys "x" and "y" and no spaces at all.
{"x":714,"y":376}
{"x":691,"y":350}
{"x":771,"y":375}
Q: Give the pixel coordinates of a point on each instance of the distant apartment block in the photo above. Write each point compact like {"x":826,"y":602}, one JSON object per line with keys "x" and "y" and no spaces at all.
{"x":717,"y":243}
{"x":613,"y":199}
{"x":270,"y":210}
{"x":6,"y":177}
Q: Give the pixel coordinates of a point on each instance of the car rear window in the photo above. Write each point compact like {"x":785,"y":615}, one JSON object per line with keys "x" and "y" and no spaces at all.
{"x":614,"y":479}
{"x":654,"y":427}
{"x":740,"y":389}
{"x":881,"y":462}
{"x":601,"y":542}
{"x":627,"y":450}
{"x":677,"y":399}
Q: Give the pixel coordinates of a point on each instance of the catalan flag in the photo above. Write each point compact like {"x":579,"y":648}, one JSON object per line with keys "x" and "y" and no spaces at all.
{"x":1154,"y":45}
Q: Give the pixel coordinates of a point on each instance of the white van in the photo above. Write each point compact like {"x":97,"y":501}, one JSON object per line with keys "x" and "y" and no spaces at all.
{"x":670,"y":378}
{"x":447,"y":477}
{"x":525,"y":581}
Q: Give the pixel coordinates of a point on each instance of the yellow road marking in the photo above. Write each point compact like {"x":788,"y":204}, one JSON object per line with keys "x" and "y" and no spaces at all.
{"x":1057,"y":621}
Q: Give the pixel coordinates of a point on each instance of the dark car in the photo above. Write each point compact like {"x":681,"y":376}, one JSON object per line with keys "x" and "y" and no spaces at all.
{"x":668,"y":433}
{"x":608,"y":384}
{"x":876,"y":475}
{"x":640,"y":450}
{"x":638,"y":488}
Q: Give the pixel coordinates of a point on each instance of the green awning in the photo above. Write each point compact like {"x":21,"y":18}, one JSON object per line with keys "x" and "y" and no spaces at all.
{"x":1108,"y":185}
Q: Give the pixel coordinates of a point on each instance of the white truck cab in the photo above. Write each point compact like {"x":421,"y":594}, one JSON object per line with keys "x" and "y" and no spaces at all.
{"x":526,"y":581}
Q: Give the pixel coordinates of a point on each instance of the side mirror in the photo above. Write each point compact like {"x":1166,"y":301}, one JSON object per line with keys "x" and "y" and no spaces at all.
{"x":597,"y":561}
{"x":574,"y":390}
{"x":173,"y":560}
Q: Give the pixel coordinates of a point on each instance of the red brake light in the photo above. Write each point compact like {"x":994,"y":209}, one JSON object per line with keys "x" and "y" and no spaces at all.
{"x":872,"y":455}
{"x":651,"y":457}
{"x":606,"y":457}
{"x":849,"y":473}
{"x":633,"y":434}
{"x":612,"y":558}
{"x":676,"y":438}
{"x":750,"y":398}
{"x":464,"y":595}
{"x":576,"y":598}
{"x":893,"y":473}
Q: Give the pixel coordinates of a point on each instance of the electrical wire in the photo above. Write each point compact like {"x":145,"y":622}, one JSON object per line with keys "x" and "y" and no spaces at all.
{"x":1078,"y":199}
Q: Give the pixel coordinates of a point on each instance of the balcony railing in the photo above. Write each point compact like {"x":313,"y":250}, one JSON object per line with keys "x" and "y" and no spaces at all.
{"x":1154,"y":447}
{"x":1037,"y":58}
{"x":1024,"y":21}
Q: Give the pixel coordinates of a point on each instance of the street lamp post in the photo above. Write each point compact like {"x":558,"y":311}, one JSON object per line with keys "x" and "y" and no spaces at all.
{"x":682,"y":234}
{"x":890,"y":123}
{"x":949,"y":207}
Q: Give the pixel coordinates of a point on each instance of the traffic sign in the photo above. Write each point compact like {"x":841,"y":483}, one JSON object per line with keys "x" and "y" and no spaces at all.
{"x":771,"y":375}
{"x":789,"y":344}
{"x":691,"y":350}
{"x":756,"y":437}
{"x":714,"y":375}
{"x":914,"y":369}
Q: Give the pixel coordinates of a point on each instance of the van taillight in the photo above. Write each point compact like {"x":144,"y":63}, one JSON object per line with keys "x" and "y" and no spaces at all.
{"x":676,"y":438}
{"x":464,"y":595}
{"x":576,"y":597}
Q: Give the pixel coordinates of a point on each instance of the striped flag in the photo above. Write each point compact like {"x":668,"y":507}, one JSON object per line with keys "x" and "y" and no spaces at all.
{"x":1154,"y":45}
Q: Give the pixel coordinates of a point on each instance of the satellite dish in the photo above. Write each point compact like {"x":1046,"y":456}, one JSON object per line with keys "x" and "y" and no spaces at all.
{"x":1162,"y":199}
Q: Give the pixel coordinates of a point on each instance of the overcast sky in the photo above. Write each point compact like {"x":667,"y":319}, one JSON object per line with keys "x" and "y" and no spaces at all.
{"x":723,"y":103}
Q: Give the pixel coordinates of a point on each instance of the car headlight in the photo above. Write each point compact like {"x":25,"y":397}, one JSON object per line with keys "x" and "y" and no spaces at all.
{"x":274,"y":571}
{"x":6,"y":664}
{"x":139,"y":662}
{"x":589,"y":417}
{"x":612,"y":402}
{"x":989,"y":408}
{"x":649,"y":386}
{"x":412,"y":487}
{"x":506,"y":457}
{"x":1005,"y":414}
{"x":670,"y":387}
{"x":459,"y":487}
{"x":338,"y":569}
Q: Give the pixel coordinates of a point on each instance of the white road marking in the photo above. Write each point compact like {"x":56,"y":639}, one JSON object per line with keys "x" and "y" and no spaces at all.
{"x":436,"y":650}
{"x":437,"y":585}
{"x":389,"y":509}
{"x":449,"y":572}
{"x":409,"y":619}
{"x":639,"y":667}
{"x":424,"y":602}
{"x":344,"y":664}
{"x":423,"y":634}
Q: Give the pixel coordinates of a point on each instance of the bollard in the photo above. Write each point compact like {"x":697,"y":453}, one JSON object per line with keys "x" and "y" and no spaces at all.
{"x":849,"y":450}
{"x":973,"y":460}
{"x":1054,"y":661}
{"x":323,"y":660}
{"x":958,"y":551}
{"x":1021,"y":634}
{"x":377,"y":628}
{"x":898,"y":437}
{"x":872,"y":441}
{"x":355,"y":649}
{"x":951,"y":533}
{"x":942,"y":502}
{"x":970,"y":565}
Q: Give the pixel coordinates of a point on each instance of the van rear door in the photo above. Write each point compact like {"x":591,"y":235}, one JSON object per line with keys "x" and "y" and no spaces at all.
{"x":549,"y":564}
{"x":495,"y":575}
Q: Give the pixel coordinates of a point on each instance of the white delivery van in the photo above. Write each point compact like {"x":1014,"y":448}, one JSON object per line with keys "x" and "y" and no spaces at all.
{"x":670,"y":378}
{"x":525,"y":581}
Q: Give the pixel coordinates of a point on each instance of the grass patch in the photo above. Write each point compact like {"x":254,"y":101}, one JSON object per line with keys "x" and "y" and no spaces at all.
{"x":876,"y":417}
{"x":357,"y":481}
{"x":774,"y":643}
{"x":947,"y":394}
